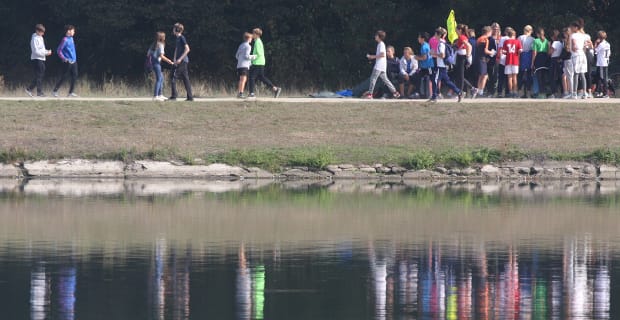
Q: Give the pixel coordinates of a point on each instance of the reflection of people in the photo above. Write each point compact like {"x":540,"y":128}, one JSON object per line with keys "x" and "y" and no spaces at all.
{"x":244,"y":287}
{"x":181,"y":61}
{"x":37,"y":56}
{"x":66,"y":293}
{"x":39,"y":294}
{"x":68,"y":55}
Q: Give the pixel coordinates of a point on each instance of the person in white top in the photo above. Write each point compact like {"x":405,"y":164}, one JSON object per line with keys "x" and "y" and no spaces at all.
{"x":440,"y":72}
{"x":603,"y":52}
{"x":37,"y":56}
{"x":380,"y":69}
{"x":408,"y":71}
{"x":555,"y":51}
{"x":578,"y":56}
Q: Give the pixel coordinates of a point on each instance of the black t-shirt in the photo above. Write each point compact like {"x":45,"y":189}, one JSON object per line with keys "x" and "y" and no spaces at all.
{"x":180,"y":47}
{"x":492,"y":46}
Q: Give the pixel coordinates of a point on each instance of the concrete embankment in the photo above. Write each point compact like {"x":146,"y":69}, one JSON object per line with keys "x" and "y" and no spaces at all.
{"x":515,"y":171}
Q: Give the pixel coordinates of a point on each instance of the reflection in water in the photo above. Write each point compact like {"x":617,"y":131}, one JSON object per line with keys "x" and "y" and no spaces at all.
{"x":250,"y":295}
{"x":66,"y":293}
{"x":170,"y":283}
{"x":39,"y":294}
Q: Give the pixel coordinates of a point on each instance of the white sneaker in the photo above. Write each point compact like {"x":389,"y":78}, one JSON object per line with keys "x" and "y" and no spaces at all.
{"x":29,"y":93}
{"x":55,"y":94}
{"x":72,"y":95}
{"x":162,"y":98}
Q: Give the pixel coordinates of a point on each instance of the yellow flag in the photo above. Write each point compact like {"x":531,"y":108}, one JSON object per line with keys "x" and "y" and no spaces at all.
{"x":452,"y":35}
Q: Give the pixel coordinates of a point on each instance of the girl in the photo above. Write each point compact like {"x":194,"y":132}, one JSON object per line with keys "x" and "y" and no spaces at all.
{"x":157,"y":55}
{"x":603,"y":51}
{"x":244,"y":60}
{"x":555,"y":51}
{"x":540,"y":62}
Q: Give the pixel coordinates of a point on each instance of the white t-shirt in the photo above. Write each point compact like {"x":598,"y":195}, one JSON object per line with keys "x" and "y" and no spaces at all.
{"x":603,"y":52}
{"x":526,"y":42}
{"x":161,"y":47}
{"x":381,"y":63}
{"x":578,"y":42}
{"x":502,"y":57}
{"x":557,"y":46}
{"x":441,"y":50}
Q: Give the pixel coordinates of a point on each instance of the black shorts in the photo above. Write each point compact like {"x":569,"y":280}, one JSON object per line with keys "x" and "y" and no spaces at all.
{"x":243,"y":71}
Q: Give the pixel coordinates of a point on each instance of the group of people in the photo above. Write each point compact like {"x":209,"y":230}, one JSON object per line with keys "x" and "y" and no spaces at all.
{"x":569,"y":65}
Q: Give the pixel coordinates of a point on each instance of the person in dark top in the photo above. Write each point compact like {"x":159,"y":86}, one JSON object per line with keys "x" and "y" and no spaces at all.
{"x":393,"y":65}
{"x":181,"y":60}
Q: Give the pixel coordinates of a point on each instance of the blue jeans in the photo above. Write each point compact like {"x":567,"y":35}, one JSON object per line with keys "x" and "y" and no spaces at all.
{"x":441,"y":75}
{"x":159,"y":79}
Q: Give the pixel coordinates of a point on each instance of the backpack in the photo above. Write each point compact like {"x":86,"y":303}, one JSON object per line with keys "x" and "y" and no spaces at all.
{"x":450,"y":58}
{"x":148,"y":62}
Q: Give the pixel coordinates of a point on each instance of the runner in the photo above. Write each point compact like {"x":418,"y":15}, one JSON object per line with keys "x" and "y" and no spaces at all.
{"x":257,"y":71}
{"x":244,"y":61}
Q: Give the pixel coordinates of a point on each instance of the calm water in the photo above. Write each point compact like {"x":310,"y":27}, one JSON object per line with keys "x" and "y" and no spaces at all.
{"x":245,"y":250}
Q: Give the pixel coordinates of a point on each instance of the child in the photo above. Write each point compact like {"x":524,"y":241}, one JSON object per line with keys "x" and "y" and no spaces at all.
{"x":408,"y":72}
{"x":157,"y":55}
{"x":540,"y":62}
{"x":580,"y":62}
{"x":181,"y":60}
{"x":555,"y":51}
{"x":244,"y":60}
{"x":603,"y":52}
{"x":426,"y":64}
{"x":257,"y":72}
{"x":512,"y":48}
{"x":37,"y":56}
{"x":483,"y":55}
{"x":441,"y":72}
{"x":380,"y":69}
{"x":525,"y":59}
{"x":66,"y":52}
{"x":393,"y":65}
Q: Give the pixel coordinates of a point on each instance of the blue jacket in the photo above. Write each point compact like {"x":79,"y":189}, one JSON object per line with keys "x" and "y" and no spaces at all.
{"x":66,"y":50}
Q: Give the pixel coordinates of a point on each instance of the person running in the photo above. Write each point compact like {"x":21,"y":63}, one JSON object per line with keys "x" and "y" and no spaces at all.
{"x":180,"y":67}
{"x":540,"y":62}
{"x":555,"y":51}
{"x":525,"y":59}
{"x":408,"y":72}
{"x":484,"y":54}
{"x":580,"y":62}
{"x":157,"y":54}
{"x":440,"y":73}
{"x":512,"y":49}
{"x":426,"y":64}
{"x":603,"y":52}
{"x":66,"y":52}
{"x":37,"y":56}
{"x":244,"y":61}
{"x":380,"y":69}
{"x":257,"y":71}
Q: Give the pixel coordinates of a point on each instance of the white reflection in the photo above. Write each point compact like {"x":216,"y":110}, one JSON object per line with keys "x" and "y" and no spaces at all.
{"x":39,"y":294}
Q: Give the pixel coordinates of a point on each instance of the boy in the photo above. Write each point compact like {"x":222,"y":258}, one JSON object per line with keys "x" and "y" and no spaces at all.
{"x":66,"y":52}
{"x":244,"y":60}
{"x":512,"y":48}
{"x":603,"y":52}
{"x":525,"y":59}
{"x":257,"y":71}
{"x":408,"y":72}
{"x":441,"y":73}
{"x":393,"y":65}
{"x":181,"y":60}
{"x":37,"y":56}
{"x":426,"y":64}
{"x":380,"y":69}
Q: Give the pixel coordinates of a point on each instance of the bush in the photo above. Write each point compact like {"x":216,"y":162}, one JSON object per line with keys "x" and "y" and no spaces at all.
{"x":420,"y":160}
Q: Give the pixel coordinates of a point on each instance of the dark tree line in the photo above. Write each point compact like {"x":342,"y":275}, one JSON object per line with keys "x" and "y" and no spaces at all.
{"x":314,"y":42}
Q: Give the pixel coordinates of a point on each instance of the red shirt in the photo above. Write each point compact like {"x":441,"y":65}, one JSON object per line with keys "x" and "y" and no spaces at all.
{"x":512,"y":48}
{"x":461,"y":41}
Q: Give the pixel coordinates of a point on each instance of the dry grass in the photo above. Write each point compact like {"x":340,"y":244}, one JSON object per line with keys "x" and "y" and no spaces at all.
{"x":354,"y":132}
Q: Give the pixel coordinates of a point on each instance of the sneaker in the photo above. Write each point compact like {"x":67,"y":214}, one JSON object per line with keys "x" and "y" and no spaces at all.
{"x":163,"y":98}
{"x":189,"y":99}
{"x":172,"y":98}
{"x":55,"y":94}
{"x":251,"y":96}
{"x":72,"y":95}
{"x":41,"y":95}
{"x":240,"y":95}
{"x":432,"y":100}
{"x":277,"y":92}
{"x":367,"y":96}
{"x":29,"y":93}
{"x":396,"y":95}
{"x":460,"y":96}
{"x":474,"y":93}
{"x":605,"y":97}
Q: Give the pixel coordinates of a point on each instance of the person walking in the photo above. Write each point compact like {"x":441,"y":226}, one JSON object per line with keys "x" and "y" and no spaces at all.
{"x":380,"y":69}
{"x":244,"y":61}
{"x":37,"y":56}
{"x":157,"y":55}
{"x":67,"y":53}
{"x":257,"y":70}
{"x":440,"y":73}
{"x":180,"y":67}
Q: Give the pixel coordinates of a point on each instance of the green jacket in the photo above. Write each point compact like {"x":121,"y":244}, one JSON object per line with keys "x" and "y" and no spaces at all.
{"x":259,"y":51}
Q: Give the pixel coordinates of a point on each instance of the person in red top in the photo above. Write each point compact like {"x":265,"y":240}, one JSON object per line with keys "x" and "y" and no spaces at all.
{"x":512,"y":48}
{"x":463,"y":57}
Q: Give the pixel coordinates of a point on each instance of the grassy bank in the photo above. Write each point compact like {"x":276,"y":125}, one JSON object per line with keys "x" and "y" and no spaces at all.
{"x":273,"y":134}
